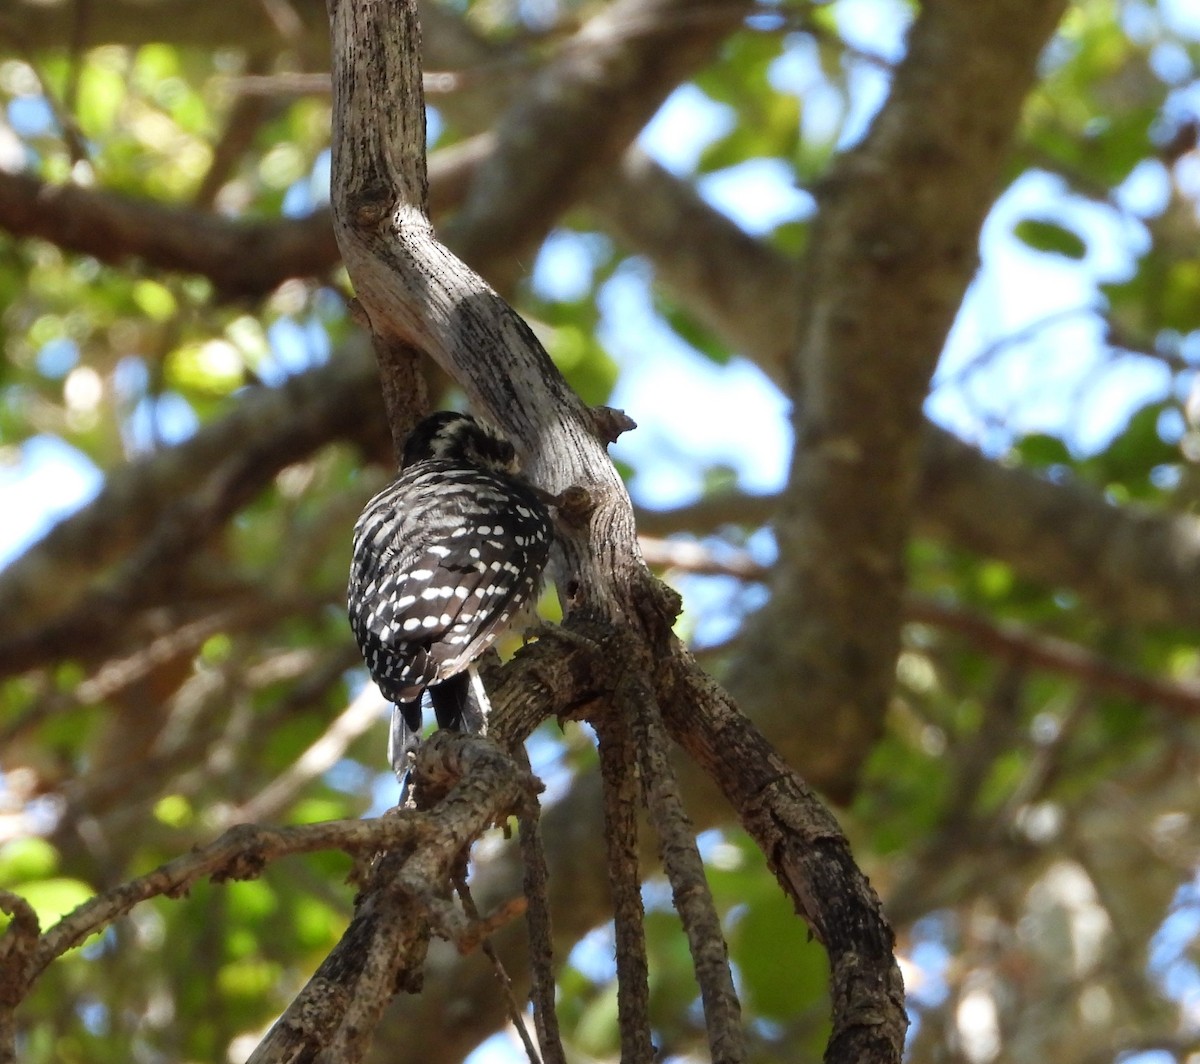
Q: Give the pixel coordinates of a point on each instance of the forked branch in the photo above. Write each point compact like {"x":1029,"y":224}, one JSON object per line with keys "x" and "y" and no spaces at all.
{"x":414,"y":293}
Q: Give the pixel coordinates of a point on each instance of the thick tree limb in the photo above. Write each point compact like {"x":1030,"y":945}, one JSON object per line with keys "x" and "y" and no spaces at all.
{"x":963,"y":496}
{"x":733,"y":284}
{"x":384,"y":947}
{"x":154,"y":513}
{"x":905,"y":205}
{"x":1134,"y":565}
{"x":242,"y":258}
{"x":240,"y":24}
{"x":1055,"y":534}
{"x":909,"y":201}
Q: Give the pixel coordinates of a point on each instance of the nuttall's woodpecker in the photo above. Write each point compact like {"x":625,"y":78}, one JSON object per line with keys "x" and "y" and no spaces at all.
{"x":445,"y":557}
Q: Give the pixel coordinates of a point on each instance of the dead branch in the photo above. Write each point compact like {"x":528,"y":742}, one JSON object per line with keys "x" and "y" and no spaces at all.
{"x":618,"y":771}
{"x":685,"y":872}
{"x":242,"y":852}
{"x":541,"y":935}
{"x":515,"y":1014}
{"x":404,"y":899}
{"x":809,"y":855}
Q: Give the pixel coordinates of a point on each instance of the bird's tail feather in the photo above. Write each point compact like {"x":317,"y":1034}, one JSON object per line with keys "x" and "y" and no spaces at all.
{"x":461,"y":703}
{"x":405,"y":736}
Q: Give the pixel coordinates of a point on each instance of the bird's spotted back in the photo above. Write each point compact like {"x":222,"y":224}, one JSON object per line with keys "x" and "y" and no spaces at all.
{"x":444,"y":559}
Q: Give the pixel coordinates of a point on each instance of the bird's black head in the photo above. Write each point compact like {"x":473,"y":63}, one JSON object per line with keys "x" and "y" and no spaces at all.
{"x":459,"y":438}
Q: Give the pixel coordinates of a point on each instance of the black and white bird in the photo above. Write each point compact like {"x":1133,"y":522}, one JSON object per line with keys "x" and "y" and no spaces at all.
{"x":445,"y":558}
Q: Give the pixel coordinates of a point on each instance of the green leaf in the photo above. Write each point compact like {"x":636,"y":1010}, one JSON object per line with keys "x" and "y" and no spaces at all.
{"x":596,"y":1031}
{"x":1041,"y":450}
{"x":783,"y":968}
{"x":1041,"y":234}
{"x":692,"y":332}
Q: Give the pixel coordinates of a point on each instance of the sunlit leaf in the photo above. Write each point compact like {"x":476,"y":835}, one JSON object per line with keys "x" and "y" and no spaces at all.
{"x":1041,"y":234}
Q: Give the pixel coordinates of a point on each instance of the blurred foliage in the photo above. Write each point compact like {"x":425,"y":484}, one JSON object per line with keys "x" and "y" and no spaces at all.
{"x":1031,"y":831}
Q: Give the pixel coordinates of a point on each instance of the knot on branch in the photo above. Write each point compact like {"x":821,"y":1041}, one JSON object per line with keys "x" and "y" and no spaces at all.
{"x":247,"y":855}
{"x":370,"y":207}
{"x":574,"y":505}
{"x":658,"y":606}
{"x":609,"y":423}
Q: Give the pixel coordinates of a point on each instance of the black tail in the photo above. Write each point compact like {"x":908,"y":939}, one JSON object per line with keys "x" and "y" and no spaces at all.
{"x":405,"y":736}
{"x":461,"y":703}
{"x":450,"y":701}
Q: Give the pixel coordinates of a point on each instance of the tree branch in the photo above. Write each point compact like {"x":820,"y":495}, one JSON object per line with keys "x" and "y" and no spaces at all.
{"x":384,"y":947}
{"x":241,"y":258}
{"x":1008,"y":641}
{"x":621,"y":789}
{"x":808,"y":854}
{"x":907,"y":202}
{"x":685,"y":872}
{"x":541,"y":935}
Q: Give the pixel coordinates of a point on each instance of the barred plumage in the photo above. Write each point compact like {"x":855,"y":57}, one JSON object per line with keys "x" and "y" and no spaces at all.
{"x":444,"y":559}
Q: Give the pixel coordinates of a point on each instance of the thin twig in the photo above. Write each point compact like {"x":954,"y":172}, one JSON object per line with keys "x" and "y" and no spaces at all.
{"x":808,"y":855}
{"x":362,"y":714}
{"x":1022,"y":645}
{"x":617,"y":761}
{"x":689,"y":886}
{"x":242,"y":852}
{"x":502,"y":977}
{"x":541,"y":933}
{"x":69,"y":129}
